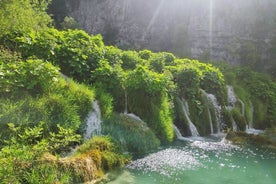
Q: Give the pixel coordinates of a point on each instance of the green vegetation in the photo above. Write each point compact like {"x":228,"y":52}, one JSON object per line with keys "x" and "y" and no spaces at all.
{"x":21,"y":16}
{"x":256,"y":88}
{"x":49,"y":79}
{"x":132,"y":135}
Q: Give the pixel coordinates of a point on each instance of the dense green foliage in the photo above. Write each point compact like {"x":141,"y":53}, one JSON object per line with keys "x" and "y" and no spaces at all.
{"x":47,"y":108}
{"x":132,"y":134}
{"x":144,"y":83}
{"x":20,"y":158}
{"x":256,"y":88}
{"x":33,"y":91}
{"x":109,"y":156}
{"x":21,"y":16}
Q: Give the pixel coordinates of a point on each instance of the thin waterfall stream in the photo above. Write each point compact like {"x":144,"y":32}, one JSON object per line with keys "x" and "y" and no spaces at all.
{"x":185,"y":110}
{"x":213,"y":102}
{"x":93,"y":122}
{"x":231,"y":104}
{"x":250,"y":129}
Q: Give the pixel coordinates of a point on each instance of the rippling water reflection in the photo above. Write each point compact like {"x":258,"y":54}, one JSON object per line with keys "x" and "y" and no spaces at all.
{"x":203,"y":162}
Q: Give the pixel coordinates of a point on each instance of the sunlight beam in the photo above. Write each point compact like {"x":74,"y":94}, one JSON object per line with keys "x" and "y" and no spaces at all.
{"x":155,"y":15}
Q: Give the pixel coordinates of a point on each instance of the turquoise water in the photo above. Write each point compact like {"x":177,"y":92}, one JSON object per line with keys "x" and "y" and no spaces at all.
{"x":202,"y":162}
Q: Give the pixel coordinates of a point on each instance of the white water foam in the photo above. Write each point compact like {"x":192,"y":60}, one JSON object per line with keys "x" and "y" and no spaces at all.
{"x":166,"y":162}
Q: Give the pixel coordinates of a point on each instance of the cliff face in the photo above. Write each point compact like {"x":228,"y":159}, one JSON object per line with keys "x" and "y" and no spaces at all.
{"x":235,"y":31}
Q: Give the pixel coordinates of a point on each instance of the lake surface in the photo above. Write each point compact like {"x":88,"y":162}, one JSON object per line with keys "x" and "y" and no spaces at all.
{"x":205,"y":161}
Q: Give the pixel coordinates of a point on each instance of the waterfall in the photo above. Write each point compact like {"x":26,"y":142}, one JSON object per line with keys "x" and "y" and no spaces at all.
{"x":217,"y":108}
{"x":231,"y":96}
{"x":212,"y":100}
{"x":185,"y":110}
{"x":179,"y":135}
{"x":125,"y":102}
{"x":234,"y":125}
{"x":242,"y":107}
{"x":210,"y":121}
{"x":250,"y":121}
{"x":134,"y":117}
{"x":93,"y":122}
{"x":251,"y":129}
{"x":231,"y":104}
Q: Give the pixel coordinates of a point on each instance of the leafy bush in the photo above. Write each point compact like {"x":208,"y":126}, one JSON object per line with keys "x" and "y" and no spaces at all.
{"x":20,"y":158}
{"x":74,"y":51}
{"x":108,"y":157}
{"x":32,"y":76}
{"x":145,"y":54}
{"x":105,"y":101}
{"x":187,"y":79}
{"x":30,"y":15}
{"x":129,"y":60}
{"x":147,"y":97}
{"x":257,"y":88}
{"x":78,"y":95}
{"x":239,"y":119}
{"x":131,"y":134}
{"x":111,"y":80}
{"x":213,"y":82}
{"x":98,"y":143}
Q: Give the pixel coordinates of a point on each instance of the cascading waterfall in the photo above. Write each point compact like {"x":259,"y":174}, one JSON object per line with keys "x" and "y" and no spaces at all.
{"x":242,"y":107}
{"x":231,"y":104}
{"x":93,"y":122}
{"x":234,"y":124}
{"x":214,"y":102}
{"x":125,"y":102}
{"x":250,"y":129}
{"x":251,"y":112}
{"x":134,"y":117}
{"x":231,"y":96}
{"x":217,"y":108}
{"x":179,"y":135}
{"x":185,"y":110}
{"x":209,"y":113}
{"x":210,"y":121}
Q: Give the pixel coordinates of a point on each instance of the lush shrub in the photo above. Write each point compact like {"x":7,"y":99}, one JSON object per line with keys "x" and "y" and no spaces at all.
{"x":8,"y":56}
{"x":133,"y":135}
{"x":30,"y":15}
{"x":65,"y":103}
{"x":98,"y":143}
{"x":187,"y":78}
{"x":74,"y":51}
{"x":255,"y":87}
{"x":111,"y":80}
{"x":105,"y":102}
{"x":108,"y":158}
{"x":213,"y":82}
{"x":53,"y":109}
{"x":113,"y":55}
{"x":158,"y":61}
{"x":147,"y":97}
{"x":32,"y":76}
{"x":129,"y":60}
{"x":79,"y":95}
{"x":20,"y":157}
{"x":239,"y":119}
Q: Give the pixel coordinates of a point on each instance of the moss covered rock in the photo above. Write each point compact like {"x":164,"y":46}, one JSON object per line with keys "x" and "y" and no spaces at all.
{"x":251,"y":139}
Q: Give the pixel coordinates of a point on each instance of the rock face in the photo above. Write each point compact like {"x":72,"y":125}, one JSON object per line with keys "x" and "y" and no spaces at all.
{"x":234,"y":31}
